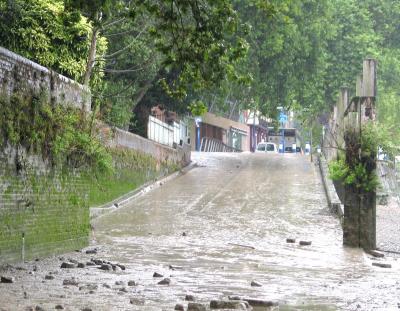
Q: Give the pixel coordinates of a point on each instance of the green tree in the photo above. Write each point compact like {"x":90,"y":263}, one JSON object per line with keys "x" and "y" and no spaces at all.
{"x":42,"y":31}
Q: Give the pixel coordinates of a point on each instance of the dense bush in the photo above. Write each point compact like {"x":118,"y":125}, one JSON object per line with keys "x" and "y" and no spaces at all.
{"x":61,"y":134}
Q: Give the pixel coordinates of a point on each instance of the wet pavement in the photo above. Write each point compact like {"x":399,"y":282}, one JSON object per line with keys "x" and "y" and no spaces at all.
{"x":212,"y":232}
{"x":388,"y":227}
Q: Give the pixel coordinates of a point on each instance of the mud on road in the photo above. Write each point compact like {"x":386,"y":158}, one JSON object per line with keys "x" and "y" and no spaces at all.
{"x":213,"y":232}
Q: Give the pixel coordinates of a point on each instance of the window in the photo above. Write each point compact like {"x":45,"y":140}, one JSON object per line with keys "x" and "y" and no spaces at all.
{"x":261,"y":147}
{"x":270,"y":147}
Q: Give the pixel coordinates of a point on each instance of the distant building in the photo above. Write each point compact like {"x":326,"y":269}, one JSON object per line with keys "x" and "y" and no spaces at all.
{"x":258,"y":128}
{"x":229,"y":132}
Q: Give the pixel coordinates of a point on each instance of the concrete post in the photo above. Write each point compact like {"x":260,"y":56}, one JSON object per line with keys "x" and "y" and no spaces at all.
{"x":359,"y":225}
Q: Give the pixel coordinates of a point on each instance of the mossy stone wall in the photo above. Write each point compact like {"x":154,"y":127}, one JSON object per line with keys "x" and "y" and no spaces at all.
{"x":41,"y":213}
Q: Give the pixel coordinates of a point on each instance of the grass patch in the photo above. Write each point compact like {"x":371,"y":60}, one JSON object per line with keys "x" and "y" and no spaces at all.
{"x":132,"y":169}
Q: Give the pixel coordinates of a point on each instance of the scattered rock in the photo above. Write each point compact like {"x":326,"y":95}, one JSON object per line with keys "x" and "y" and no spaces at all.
{"x":157,"y":275}
{"x":20,"y":268}
{"x":87,"y":309}
{"x":106,"y":267}
{"x":193,"y":306}
{"x":376,"y":253}
{"x":90,"y":263}
{"x":68,"y":265}
{"x":123,"y":290}
{"x":119,"y":283}
{"x":304,"y":243}
{"x":132,"y":283}
{"x":260,"y":303}
{"x":81,"y":265}
{"x":290,"y":240}
{"x":184,"y":234}
{"x":91,"y":251}
{"x":116,"y":205}
{"x":73,"y":260}
{"x":89,"y":287}
{"x":98,"y":262}
{"x":255,"y":284}
{"x":58,"y":296}
{"x":175,"y":267}
{"x":35,"y":268}
{"x":165,"y":281}
{"x":26,"y":295}
{"x":59,"y":307}
{"x":189,"y":298}
{"x":106,"y":285}
{"x":230,"y":304}
{"x":39,"y":308}
{"x":179,"y":307}
{"x":7,"y":279}
{"x":382,"y":265}
{"x":234,"y":298}
{"x":136,"y":301}
{"x":116,"y":268}
{"x":49,"y":277}
{"x":29,"y":309}
{"x":122,"y":267}
{"x":71,"y":282}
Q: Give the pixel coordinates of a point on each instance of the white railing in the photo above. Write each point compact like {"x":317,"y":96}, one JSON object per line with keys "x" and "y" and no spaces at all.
{"x":160,"y":132}
{"x":166,"y":134}
{"x":215,"y":145}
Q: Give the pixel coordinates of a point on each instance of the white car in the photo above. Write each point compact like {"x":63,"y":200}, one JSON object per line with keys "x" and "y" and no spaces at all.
{"x":266,"y":147}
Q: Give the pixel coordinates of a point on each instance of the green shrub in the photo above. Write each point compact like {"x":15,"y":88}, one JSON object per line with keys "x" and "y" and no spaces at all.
{"x":61,"y":134}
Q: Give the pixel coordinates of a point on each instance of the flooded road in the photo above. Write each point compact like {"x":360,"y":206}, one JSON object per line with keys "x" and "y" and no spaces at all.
{"x":212,"y":231}
{"x":251,"y":200}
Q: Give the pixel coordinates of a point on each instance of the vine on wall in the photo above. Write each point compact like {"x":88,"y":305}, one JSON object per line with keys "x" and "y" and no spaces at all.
{"x":61,"y":134}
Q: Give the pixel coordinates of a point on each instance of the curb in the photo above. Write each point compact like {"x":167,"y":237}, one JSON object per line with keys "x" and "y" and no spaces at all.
{"x":333,"y":200}
{"x":125,"y":199}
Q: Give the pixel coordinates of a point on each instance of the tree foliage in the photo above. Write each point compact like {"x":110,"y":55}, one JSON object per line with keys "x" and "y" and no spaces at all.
{"x":42,"y":31}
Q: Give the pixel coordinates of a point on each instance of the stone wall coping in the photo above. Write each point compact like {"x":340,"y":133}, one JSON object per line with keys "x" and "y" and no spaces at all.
{"x":36,"y":66}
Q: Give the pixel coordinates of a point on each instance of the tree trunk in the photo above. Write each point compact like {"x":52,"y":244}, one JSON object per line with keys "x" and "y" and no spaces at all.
{"x":91,"y":57}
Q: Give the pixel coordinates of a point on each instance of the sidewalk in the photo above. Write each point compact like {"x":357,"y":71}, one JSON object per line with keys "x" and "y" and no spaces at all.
{"x":388,"y":227}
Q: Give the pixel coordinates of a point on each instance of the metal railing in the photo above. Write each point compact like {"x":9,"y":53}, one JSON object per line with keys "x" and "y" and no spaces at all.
{"x":215,"y":145}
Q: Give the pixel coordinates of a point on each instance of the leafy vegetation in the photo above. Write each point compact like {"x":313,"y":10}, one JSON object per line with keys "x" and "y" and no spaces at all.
{"x":356,"y":169}
{"x":61,"y":134}
{"x":229,"y":55}
{"x":43,"y":31}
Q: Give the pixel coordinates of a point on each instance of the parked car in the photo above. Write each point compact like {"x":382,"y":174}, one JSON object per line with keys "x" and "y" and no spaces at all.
{"x":288,"y":149}
{"x":266,"y":147}
{"x":298,"y":149}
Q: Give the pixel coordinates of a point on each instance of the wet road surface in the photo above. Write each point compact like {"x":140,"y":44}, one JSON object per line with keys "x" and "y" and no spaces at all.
{"x":221,"y":226}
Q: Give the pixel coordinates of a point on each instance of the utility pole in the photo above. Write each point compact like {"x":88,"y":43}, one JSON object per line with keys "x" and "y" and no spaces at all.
{"x":311,"y":146}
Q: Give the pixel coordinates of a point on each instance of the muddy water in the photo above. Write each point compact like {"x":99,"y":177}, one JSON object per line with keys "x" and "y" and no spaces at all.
{"x":251,"y":200}
{"x":236,"y":211}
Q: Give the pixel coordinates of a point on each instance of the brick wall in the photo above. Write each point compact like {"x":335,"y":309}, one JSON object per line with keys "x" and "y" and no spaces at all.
{"x":48,"y":209}
{"x":19,"y":73}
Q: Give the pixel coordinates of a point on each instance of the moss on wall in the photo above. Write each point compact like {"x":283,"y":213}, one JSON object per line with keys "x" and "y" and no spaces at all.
{"x":131,"y":170}
{"x":50,"y":210}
